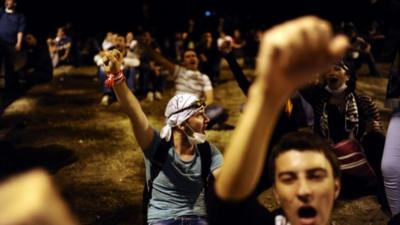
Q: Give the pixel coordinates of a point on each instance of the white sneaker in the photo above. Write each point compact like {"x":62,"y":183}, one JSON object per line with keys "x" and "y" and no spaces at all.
{"x":150,"y":96}
{"x":105,"y":100}
{"x":158,"y":95}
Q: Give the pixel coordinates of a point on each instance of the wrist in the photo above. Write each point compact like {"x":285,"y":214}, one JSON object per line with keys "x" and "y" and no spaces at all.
{"x":114,"y":79}
{"x":268,"y":94}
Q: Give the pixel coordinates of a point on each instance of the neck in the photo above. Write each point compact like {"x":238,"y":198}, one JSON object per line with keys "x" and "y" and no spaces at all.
{"x":181,"y":143}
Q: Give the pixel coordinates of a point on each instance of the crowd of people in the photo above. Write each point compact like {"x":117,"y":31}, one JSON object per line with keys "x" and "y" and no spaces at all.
{"x":305,"y":132}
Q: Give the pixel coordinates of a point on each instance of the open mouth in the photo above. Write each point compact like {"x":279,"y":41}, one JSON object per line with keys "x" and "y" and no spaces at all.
{"x":333,"y":80}
{"x":307,"y":212}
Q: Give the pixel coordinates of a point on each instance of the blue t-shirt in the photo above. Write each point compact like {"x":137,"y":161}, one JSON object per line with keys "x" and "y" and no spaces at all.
{"x":178,"y":188}
{"x":10,"y":25}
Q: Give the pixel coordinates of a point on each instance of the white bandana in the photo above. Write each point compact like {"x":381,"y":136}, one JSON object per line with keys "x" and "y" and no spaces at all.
{"x":173,"y":119}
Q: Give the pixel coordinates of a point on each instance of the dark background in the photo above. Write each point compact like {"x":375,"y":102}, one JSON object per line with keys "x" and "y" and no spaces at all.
{"x":91,"y":17}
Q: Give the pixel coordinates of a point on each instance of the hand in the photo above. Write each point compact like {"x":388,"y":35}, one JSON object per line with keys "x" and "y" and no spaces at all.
{"x":291,"y":54}
{"x":31,"y":198}
{"x":112,"y":61}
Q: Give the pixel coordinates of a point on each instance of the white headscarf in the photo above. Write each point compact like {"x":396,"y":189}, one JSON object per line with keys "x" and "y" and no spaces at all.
{"x":173,"y":119}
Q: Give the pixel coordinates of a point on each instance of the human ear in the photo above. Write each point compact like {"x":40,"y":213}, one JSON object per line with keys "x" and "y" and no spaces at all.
{"x":337,"y":187}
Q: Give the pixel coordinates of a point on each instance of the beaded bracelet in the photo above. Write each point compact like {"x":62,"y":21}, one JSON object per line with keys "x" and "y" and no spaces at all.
{"x":114,"y":79}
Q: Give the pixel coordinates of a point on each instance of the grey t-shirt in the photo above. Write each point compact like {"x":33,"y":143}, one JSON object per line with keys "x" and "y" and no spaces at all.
{"x":178,"y":188}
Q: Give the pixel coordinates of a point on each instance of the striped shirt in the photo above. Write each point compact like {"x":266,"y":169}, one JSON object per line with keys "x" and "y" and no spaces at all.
{"x":191,"y":81}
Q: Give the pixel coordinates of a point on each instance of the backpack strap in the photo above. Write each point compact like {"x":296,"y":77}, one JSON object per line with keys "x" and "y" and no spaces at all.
{"x":205,"y":157}
{"x":159,"y":158}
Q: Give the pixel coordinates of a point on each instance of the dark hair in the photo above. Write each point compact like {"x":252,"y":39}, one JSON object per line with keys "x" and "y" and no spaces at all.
{"x":187,"y":50}
{"x":303,"y":141}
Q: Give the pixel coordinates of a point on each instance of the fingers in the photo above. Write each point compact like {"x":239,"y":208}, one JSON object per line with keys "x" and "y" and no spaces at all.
{"x":304,"y":45}
{"x":338,"y":46}
{"x":112,"y":61}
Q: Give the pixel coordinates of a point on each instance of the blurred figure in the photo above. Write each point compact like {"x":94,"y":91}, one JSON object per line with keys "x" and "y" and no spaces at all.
{"x":305,"y":172}
{"x":391,"y":154}
{"x":360,"y":51}
{"x":38,"y":67}
{"x":31,"y":198}
{"x":188,"y":79}
{"x":150,"y":71}
{"x":209,"y":57}
{"x":238,"y":44}
{"x":12,"y":26}
{"x":60,"y":48}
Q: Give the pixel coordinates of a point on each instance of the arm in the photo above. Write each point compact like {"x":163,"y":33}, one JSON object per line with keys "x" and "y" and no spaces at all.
{"x":20,"y":34}
{"x":18,"y":45}
{"x":209,"y":95}
{"x":129,"y":103}
{"x":156,"y":56}
{"x":371,"y":114}
{"x":67,"y":48}
{"x":240,"y":78}
{"x":290,"y":54}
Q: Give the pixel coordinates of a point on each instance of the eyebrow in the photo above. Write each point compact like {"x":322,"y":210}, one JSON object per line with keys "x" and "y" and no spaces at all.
{"x":308,"y":171}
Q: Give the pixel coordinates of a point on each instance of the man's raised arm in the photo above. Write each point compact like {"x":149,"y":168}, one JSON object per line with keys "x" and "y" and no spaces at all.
{"x":129,"y":103}
{"x":290,"y":55}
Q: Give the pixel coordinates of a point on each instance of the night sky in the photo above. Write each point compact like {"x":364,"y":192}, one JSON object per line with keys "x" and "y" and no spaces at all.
{"x":90,"y":17}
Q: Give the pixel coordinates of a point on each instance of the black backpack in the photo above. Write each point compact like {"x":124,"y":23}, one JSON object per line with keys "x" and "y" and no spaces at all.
{"x":160,"y":156}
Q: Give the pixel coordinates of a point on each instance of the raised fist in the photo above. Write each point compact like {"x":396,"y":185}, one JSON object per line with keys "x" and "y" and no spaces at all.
{"x":292,"y":53}
{"x":112,"y":61}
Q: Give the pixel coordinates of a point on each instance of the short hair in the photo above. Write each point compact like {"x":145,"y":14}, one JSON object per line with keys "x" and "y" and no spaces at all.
{"x":303,"y":141}
{"x":187,"y":50}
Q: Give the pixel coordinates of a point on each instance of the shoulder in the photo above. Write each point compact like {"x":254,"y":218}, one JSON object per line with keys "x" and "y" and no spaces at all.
{"x":364,"y":100}
{"x":214,"y":149}
{"x":179,"y":70}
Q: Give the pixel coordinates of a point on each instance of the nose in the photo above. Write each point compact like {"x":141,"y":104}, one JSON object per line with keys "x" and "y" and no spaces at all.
{"x":206,"y":119}
{"x":304,"y":191}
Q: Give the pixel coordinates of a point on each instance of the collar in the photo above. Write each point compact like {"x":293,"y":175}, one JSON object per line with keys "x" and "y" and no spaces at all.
{"x":338,"y":91}
{"x":9,"y":10}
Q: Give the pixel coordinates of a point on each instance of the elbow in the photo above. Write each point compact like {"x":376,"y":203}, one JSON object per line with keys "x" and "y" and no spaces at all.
{"x":231,"y":193}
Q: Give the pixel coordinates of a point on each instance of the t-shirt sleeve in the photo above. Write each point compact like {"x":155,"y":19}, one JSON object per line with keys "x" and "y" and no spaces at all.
{"x":178,"y":70}
{"x":150,"y":151}
{"x":216,"y":158}
{"x":22,"y":24}
{"x":207,"y":86}
{"x":249,"y":211}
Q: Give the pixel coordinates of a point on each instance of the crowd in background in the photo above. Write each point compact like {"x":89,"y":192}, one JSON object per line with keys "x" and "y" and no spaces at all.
{"x":330,"y":107}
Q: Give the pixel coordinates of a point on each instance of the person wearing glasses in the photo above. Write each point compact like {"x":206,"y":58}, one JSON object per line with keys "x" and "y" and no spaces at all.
{"x":177,"y":189}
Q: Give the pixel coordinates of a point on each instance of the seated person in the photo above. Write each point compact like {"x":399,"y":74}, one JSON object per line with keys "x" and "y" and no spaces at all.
{"x":38,"y":67}
{"x":174,"y":157}
{"x":341,"y":114}
{"x":188,"y":79}
{"x":60,"y":48}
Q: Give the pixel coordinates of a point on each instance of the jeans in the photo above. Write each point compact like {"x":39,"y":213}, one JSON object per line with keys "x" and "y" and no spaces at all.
{"x":390,"y":163}
{"x":184,"y":220}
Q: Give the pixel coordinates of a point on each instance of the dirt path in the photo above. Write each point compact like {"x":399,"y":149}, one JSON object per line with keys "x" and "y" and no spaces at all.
{"x":92,"y":153}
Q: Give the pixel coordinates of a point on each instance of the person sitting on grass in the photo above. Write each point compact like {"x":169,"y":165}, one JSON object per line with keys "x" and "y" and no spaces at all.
{"x":177,"y":188}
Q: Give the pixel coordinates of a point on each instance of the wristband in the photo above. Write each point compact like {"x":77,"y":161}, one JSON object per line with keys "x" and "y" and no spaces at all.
{"x":114,"y":79}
